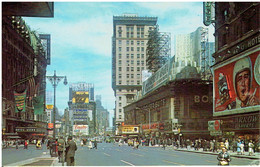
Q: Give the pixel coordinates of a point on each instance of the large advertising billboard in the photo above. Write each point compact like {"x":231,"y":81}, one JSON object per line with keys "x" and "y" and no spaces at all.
{"x":80,"y":97}
{"x":237,"y":85}
{"x":80,"y":130}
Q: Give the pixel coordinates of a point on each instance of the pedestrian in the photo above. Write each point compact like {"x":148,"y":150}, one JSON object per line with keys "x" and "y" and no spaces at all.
{"x":242,"y":146}
{"x":25,"y":144}
{"x":164,"y":143}
{"x":61,"y":144}
{"x":50,"y":146}
{"x":227,"y":144}
{"x":251,"y":148}
{"x":81,"y":143}
{"x":223,"y":157}
{"x":95,"y":144}
{"x":211,"y":145}
{"x":90,"y":144}
{"x":215,"y":146}
{"x":234,"y":144}
{"x":38,"y":144}
{"x":16,"y":144}
{"x":239,"y":147}
{"x":71,"y":147}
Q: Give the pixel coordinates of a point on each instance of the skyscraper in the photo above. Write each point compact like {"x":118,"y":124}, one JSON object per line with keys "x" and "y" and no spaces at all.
{"x":130,"y":35}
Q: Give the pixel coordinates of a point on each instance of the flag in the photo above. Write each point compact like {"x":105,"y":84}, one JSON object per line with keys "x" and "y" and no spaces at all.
{"x":38,"y":103}
{"x":20,"y":101}
{"x":31,"y":87}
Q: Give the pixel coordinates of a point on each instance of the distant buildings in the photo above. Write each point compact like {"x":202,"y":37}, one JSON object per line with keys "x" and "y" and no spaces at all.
{"x":102,"y":116}
{"x":82,"y":109}
{"x":130,"y":35}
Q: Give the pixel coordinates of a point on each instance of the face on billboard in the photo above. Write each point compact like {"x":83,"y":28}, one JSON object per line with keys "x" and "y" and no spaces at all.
{"x":236,"y":83}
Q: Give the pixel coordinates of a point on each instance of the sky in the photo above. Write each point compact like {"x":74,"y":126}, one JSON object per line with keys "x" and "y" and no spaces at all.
{"x":81,"y":35}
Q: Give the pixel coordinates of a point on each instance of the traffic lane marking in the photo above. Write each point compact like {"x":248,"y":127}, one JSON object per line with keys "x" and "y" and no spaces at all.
{"x":170,"y":162}
{"x":127,"y":163}
{"x":137,"y":154}
{"x":107,"y":154}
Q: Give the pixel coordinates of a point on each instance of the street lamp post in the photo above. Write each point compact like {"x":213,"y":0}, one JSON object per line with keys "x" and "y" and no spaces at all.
{"x":54,"y":81}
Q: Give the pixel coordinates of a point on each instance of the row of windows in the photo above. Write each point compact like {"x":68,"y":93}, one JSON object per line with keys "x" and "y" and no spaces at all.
{"x":131,"y":69}
{"x":128,"y":82}
{"x":132,"y":42}
{"x":138,"y":62}
{"x":138,"y":76}
{"x":138,"y":56}
{"x":128,"y":49}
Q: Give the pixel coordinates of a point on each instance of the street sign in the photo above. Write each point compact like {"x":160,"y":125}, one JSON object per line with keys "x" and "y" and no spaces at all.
{"x":215,"y":133}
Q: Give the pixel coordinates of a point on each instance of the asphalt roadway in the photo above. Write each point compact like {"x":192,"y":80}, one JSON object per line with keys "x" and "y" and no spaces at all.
{"x":109,"y":154}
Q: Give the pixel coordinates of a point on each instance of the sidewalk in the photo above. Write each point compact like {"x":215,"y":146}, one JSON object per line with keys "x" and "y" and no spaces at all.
{"x":232,"y":154}
{"x":44,"y":160}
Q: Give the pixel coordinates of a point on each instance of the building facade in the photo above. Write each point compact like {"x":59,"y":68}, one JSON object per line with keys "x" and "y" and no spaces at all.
{"x":82,"y":109}
{"x":236,"y":70}
{"x":178,"y":109}
{"x":102,"y":116}
{"x":130,"y":35}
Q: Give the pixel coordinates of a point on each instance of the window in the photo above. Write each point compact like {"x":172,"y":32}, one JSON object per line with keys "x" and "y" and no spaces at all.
{"x":132,"y":56}
{"x":127,"y":82}
{"x":127,"y":42}
{"x":120,"y":104}
{"x":132,"y":75}
{"x":138,"y":49}
{"x":142,"y":49}
{"x":127,"y":56}
{"x":132,"y":42}
{"x":119,"y":82}
{"x":120,"y":62}
{"x":120,"y":116}
{"x":119,"y":55}
{"x":120,"y":76}
{"x":138,"y":76}
{"x":127,"y":68}
{"x":142,"y":68}
{"x":142,"y":43}
{"x":138,"y":56}
{"x":119,"y":42}
{"x":138,"y":62}
{"x":127,"y":75}
{"x":132,"y":62}
{"x":127,"y":62}
{"x":138,"y":68}
{"x":127,"y":49}
{"x":120,"y":35}
{"x":138,"y":42}
{"x":120,"y":110}
{"x":132,"y":68}
{"x":142,"y":56}
{"x":132,"y":48}
{"x":119,"y":68}
{"x":142,"y":62}
{"x":120,"y":98}
{"x":119,"y":49}
{"x":138,"y":82}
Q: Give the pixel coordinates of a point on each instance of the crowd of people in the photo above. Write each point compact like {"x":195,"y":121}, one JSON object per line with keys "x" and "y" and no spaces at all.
{"x":215,"y":145}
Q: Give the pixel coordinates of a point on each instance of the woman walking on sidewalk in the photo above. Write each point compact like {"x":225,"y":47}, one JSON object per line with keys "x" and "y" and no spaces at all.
{"x":251,"y":148}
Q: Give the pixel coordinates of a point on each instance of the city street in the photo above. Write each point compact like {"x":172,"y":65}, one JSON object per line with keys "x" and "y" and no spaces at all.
{"x":109,"y":154}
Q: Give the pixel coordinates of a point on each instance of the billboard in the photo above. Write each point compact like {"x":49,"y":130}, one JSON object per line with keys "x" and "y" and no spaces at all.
{"x":80,"y":97}
{"x":80,"y":130}
{"x":237,"y":85}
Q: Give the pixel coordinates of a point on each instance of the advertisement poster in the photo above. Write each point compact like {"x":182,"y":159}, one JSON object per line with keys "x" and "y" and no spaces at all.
{"x":80,"y":130}
{"x":20,"y":101}
{"x":80,"y":97}
{"x":237,"y":83}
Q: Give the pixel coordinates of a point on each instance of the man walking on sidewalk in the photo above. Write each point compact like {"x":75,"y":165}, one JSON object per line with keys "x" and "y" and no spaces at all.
{"x":71,"y":147}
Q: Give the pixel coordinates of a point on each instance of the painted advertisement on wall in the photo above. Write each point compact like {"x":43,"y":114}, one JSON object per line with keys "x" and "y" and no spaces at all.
{"x":237,"y":85}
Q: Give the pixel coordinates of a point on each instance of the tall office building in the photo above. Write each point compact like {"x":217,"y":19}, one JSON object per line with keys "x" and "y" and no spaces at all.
{"x":130,"y":35}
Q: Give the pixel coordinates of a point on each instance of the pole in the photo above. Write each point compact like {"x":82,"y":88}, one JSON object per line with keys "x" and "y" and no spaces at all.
{"x":54,"y":108}
{"x":149,"y":118}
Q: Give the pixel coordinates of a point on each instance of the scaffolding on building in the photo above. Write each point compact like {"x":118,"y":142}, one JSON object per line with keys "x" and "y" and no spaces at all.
{"x":158,"y":49}
{"x":205,"y":71}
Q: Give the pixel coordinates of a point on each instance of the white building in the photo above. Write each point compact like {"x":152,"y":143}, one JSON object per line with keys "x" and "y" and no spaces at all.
{"x":130,"y":35}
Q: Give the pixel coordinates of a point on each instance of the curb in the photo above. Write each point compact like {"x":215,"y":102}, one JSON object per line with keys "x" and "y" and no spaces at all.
{"x":238,"y":156}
